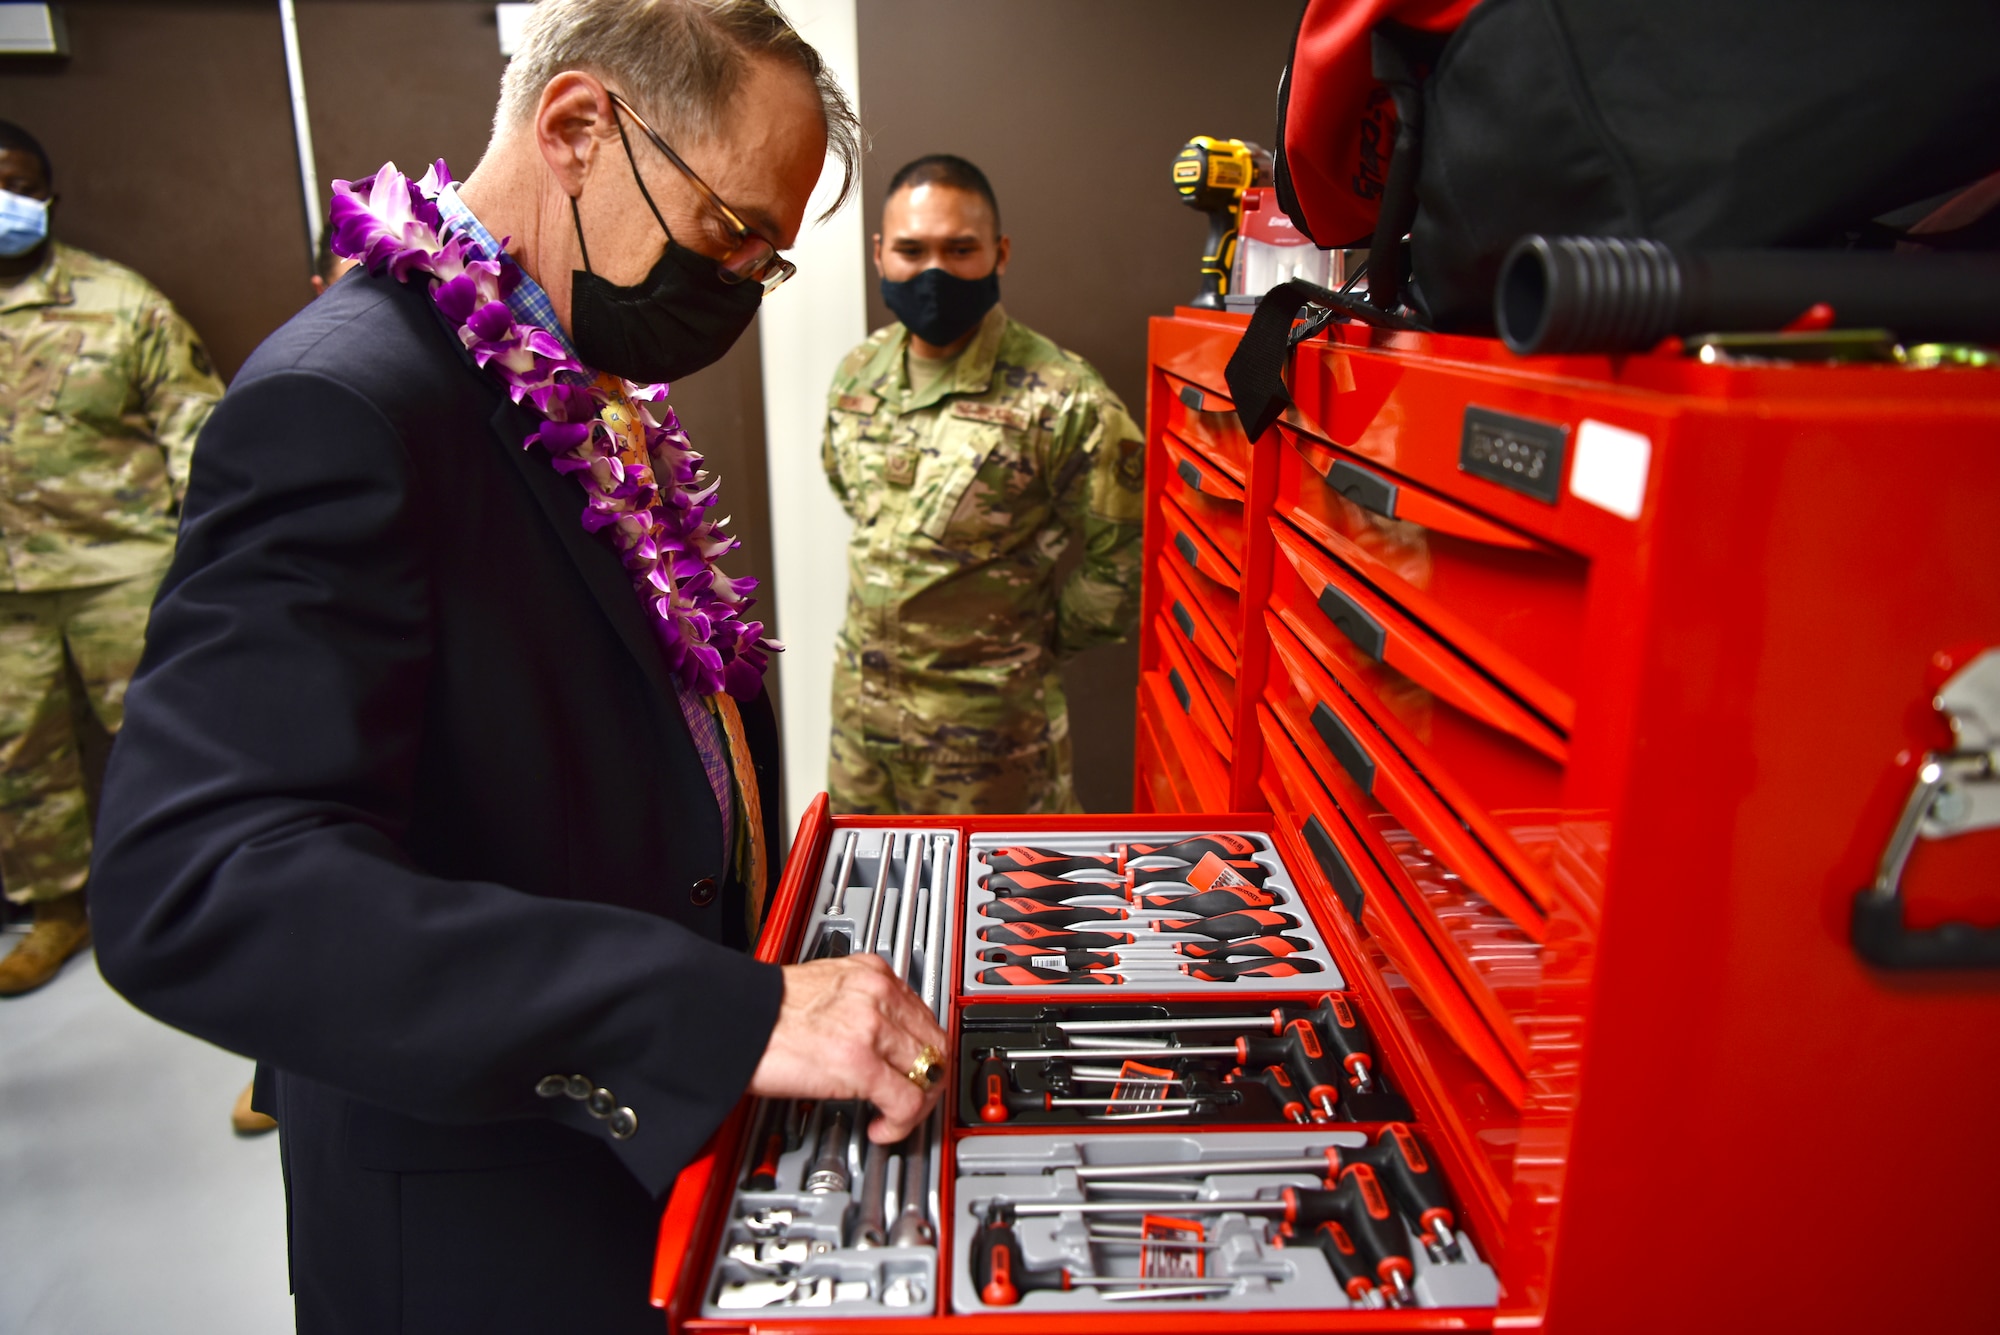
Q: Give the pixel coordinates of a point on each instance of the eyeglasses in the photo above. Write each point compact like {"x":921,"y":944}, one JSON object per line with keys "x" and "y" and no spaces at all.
{"x":754,"y":258}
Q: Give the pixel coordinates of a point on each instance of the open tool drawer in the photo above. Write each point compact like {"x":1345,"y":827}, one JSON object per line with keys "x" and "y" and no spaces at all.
{"x":1220,"y":1142}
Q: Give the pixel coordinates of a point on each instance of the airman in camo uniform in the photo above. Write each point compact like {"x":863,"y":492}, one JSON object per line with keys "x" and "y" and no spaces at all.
{"x":102,"y":389}
{"x":968,"y":490}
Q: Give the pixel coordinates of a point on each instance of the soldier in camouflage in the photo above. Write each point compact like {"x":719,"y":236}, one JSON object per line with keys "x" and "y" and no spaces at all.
{"x":972,"y":455}
{"x":102,"y":389}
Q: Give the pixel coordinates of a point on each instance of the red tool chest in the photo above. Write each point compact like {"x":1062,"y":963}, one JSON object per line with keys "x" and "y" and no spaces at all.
{"x":1598,"y":685}
{"x":1581,"y":702}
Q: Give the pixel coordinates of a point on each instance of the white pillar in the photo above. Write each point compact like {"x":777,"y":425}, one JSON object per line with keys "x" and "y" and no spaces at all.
{"x":804,"y":330}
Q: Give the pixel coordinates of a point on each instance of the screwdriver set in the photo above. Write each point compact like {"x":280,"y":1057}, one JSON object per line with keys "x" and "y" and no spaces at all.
{"x":822,"y":1219}
{"x":1197,"y":1149}
{"x":1213,"y":910}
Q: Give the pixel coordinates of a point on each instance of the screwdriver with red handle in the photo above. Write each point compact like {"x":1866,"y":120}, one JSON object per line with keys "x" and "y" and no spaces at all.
{"x":1023,"y":858}
{"x":1194,"y":848}
{"x":1049,"y":861}
{"x":1203,"y":904}
{"x":1055,"y":889}
{"x":1208,"y":903}
{"x":1257,"y":947}
{"x":1229,"y":926}
{"x":1206,"y":971}
{"x":1225,"y":927}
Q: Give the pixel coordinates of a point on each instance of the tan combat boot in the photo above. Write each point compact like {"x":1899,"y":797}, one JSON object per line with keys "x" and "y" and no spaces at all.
{"x":60,"y":930}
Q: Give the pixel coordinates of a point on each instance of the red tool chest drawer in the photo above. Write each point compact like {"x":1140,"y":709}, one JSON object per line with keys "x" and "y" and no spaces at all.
{"x":1192,"y":622}
{"x":1507,"y":601}
{"x":1038,"y":1199}
{"x":1197,"y":770}
{"x":1206,"y":421}
{"x":1208,"y":497}
{"x":1218,"y":688}
{"x":1642,"y":716}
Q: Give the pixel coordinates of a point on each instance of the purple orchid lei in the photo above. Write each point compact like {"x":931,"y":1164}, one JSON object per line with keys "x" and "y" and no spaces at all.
{"x":652,"y":505}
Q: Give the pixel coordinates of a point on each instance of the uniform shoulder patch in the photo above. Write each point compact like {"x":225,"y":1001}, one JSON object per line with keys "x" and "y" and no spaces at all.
{"x":1000,"y":414}
{"x":859,"y":403}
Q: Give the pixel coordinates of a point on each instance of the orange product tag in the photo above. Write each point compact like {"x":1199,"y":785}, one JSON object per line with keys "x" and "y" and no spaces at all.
{"x":1161,"y":1261}
{"x":1212,"y":873}
{"x":1141,"y":1088}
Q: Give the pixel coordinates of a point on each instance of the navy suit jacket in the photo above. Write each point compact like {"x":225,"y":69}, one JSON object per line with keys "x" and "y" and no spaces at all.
{"x":404,"y":807}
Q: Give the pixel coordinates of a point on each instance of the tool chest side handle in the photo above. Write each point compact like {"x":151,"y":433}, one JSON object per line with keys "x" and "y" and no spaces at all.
{"x":1955,"y":792}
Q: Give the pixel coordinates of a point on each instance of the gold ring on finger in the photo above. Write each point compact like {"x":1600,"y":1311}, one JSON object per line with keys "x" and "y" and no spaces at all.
{"x":929,"y":1065}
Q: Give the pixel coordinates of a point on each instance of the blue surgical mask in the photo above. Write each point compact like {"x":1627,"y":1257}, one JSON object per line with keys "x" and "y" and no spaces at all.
{"x":24,"y":223}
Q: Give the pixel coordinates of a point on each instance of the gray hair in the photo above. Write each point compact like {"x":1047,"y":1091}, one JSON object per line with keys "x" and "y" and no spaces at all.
{"x":681,"y":61}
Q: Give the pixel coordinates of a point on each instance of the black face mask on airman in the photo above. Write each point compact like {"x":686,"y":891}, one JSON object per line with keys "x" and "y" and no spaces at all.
{"x":938,"y":307}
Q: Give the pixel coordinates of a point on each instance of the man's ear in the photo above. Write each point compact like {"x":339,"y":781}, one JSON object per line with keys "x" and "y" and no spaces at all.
{"x":1002,"y":249}
{"x":569,"y":120}
{"x":319,"y":286}
{"x":875,"y":250}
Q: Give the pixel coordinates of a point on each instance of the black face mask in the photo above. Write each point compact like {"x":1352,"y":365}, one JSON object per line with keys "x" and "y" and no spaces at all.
{"x":939,"y":307}
{"x":680,"y":317}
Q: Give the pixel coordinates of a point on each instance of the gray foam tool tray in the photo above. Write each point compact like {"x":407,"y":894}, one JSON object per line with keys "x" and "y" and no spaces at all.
{"x":1264,"y":1275}
{"x":1166,"y":979}
{"x":789,"y":1250}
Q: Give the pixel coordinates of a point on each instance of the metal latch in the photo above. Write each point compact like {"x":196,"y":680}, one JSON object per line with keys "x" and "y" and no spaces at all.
{"x":1956,"y":792}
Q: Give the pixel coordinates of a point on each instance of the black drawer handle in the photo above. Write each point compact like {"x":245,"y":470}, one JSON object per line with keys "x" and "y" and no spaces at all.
{"x":1192,"y":397}
{"x":1181,"y":690}
{"x":1338,"y":873}
{"x":1183,"y":620}
{"x":1345,"y":746}
{"x":1353,"y":621}
{"x":1189,"y":552}
{"x":1189,"y":474}
{"x":1364,"y":488}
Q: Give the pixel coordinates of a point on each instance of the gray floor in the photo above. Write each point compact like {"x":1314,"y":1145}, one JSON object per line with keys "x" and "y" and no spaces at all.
{"x":126,"y":1204}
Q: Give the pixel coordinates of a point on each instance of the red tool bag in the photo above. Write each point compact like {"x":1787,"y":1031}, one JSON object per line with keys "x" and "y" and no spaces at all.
{"x":1702,"y":124}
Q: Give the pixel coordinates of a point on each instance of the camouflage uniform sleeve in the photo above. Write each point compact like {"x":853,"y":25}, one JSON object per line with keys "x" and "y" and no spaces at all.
{"x":829,"y":454}
{"x":1105,"y":500}
{"x":177,"y":384}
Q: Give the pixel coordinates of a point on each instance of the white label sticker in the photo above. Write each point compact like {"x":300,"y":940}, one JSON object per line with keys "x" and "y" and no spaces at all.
{"x":1049,"y":962}
{"x":1610,"y":468}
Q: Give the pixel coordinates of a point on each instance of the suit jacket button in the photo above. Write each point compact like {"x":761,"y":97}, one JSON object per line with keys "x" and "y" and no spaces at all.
{"x":623,"y":1124}
{"x":703,"y":892}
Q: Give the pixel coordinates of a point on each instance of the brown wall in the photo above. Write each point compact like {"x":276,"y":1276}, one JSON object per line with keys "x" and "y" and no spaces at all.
{"x":171,"y":133}
{"x":170,"y":127}
{"x":1074,"y":109}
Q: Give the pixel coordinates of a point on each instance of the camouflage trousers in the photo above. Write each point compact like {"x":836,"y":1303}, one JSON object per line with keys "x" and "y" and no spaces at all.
{"x":865,"y":780}
{"x":66,"y":656}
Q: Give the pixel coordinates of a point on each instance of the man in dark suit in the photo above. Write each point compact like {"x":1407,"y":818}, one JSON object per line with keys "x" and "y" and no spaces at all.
{"x":411,"y":805}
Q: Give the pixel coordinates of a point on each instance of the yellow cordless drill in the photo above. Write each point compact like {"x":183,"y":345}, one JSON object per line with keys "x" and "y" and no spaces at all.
{"x":1211,"y":175}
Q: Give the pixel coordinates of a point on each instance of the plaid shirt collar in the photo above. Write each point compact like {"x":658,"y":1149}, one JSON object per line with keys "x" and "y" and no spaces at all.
{"x":530,"y":301}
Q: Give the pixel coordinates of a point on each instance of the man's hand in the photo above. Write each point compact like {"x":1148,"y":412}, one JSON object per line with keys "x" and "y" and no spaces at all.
{"x":850,"y":1029}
